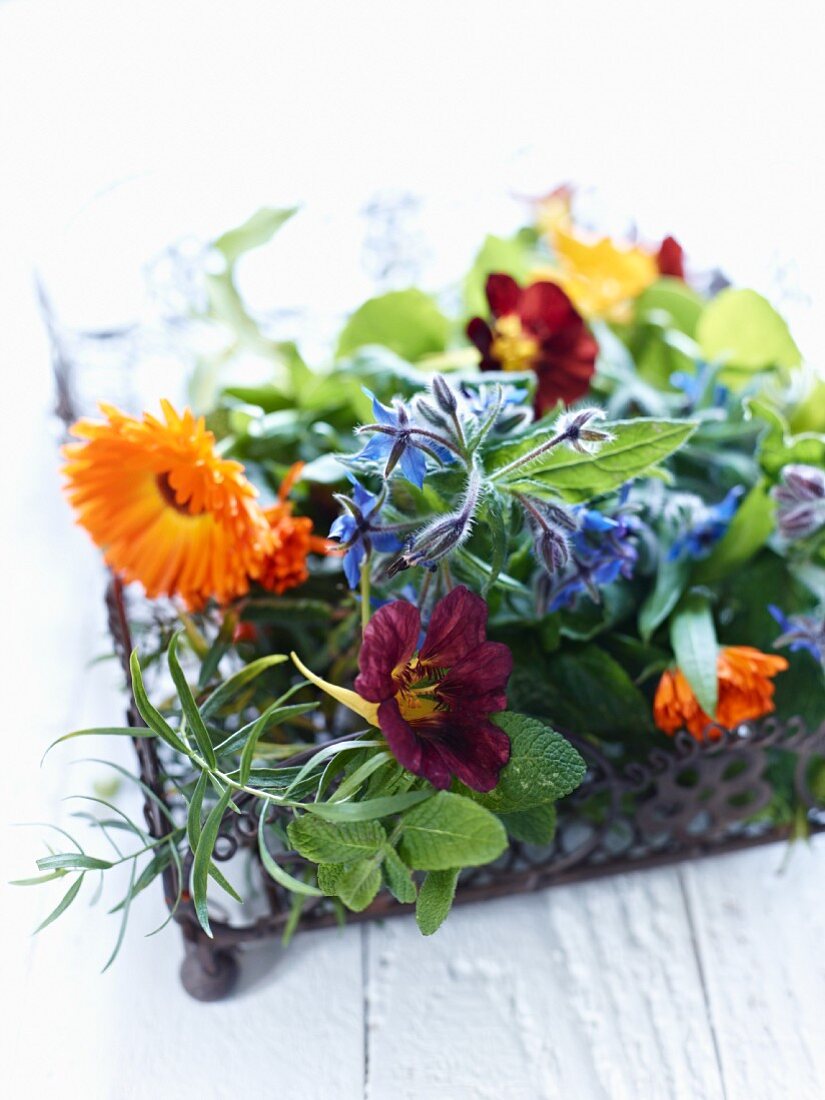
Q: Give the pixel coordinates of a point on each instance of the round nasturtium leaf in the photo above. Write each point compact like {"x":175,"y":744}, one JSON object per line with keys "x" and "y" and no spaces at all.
{"x":741,"y":329}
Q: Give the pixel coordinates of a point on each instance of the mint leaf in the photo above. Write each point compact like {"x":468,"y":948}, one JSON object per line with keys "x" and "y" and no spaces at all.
{"x":638,"y":445}
{"x":435,"y":899}
{"x":450,"y":831}
{"x":397,"y":876}
{"x":543,"y":766}
{"x":534,"y":826}
{"x":407,"y":322}
{"x":335,"y":841}
{"x":359,"y":884}
{"x":693,"y":637}
{"x":329,"y":875}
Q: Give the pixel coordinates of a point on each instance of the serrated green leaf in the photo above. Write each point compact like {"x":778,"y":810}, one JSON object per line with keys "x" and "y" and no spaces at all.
{"x":449,"y":831}
{"x":397,"y":876}
{"x":276,"y":871}
{"x":329,"y":875}
{"x":561,"y":472}
{"x":693,"y":637}
{"x":150,"y":714}
{"x":203,"y":859}
{"x":62,"y":905}
{"x":671,"y":578}
{"x":359,"y":884}
{"x":543,"y":766}
{"x":224,"y":692}
{"x":435,"y":899}
{"x":407,"y":322}
{"x":194,"y":721}
{"x":330,"y":842}
{"x":534,"y":826}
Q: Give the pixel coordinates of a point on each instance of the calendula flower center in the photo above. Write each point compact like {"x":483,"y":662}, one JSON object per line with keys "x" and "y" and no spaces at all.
{"x":170,"y":497}
{"x":514,"y":348}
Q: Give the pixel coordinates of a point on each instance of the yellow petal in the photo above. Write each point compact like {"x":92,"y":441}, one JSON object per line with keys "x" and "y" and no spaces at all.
{"x":350,"y":699}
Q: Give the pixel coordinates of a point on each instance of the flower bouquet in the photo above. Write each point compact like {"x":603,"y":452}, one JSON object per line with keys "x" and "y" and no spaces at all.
{"x":500,"y":595}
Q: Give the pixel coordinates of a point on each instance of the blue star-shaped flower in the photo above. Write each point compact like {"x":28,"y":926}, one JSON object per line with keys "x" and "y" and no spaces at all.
{"x":708,"y":528}
{"x":356,"y":529}
{"x":394,"y":442}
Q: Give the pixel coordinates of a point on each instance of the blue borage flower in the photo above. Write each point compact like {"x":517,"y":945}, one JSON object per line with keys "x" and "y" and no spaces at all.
{"x":603,"y":548}
{"x":800,"y":632}
{"x":358,"y":531}
{"x":709,"y":525}
{"x":398,"y":441}
{"x":697,"y":386}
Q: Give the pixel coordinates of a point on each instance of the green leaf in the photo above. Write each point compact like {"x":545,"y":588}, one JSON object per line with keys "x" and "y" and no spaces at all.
{"x":233,"y":684}
{"x":561,"y":472}
{"x":741,"y":329}
{"x":435,"y":899}
{"x":543,"y":767}
{"x":194,"y":721}
{"x":62,"y":905}
{"x":101,"y":731}
{"x":203,"y":859}
{"x":753,"y":523}
{"x":369,"y":810}
{"x":274,"y":715}
{"x":777,"y":447}
{"x":359,"y":884}
{"x":508,"y":255}
{"x":254,"y":232}
{"x":38,"y":879}
{"x":124,"y":919}
{"x":329,"y":876}
{"x":331,"y":842}
{"x":193,"y":816}
{"x":533,"y":826}
{"x":448,"y":831}
{"x":276,"y":871}
{"x":397,"y":876}
{"x":407,"y":322}
{"x":150,"y":715}
{"x":72,"y":861}
{"x":693,"y":637}
{"x":497,"y":517}
{"x":671,"y":578}
{"x":248,"y":754}
{"x":670,"y":303}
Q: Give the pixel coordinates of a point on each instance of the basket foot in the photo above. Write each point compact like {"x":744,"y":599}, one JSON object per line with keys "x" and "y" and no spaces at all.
{"x":207,"y":973}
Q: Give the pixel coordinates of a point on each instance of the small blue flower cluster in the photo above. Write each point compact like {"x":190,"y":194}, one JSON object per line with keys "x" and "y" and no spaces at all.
{"x":708,"y":524}
{"x":801,"y":633}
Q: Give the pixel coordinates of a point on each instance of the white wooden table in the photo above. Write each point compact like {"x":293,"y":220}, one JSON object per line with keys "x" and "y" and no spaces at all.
{"x":700,"y":982}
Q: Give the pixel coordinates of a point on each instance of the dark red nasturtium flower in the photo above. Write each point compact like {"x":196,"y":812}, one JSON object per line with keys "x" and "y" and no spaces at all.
{"x":670,"y":258}
{"x":434,"y":701}
{"x":536,"y":328}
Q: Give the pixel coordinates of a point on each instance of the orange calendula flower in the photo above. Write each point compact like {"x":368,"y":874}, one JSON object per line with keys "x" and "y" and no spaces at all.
{"x":285,"y":566}
{"x":745,"y":692}
{"x":164,"y":507}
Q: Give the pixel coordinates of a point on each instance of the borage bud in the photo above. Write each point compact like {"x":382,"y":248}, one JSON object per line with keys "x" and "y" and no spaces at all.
{"x":444,"y":396}
{"x":578,"y":432}
{"x":800,"y":501}
{"x":551,"y":525}
{"x":442,"y":536}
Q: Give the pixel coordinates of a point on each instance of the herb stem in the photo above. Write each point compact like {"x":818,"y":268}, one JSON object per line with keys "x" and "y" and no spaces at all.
{"x":365,"y":593}
{"x":531,"y":456}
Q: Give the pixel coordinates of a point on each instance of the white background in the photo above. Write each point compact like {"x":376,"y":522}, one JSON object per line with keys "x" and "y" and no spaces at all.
{"x":124,"y":125}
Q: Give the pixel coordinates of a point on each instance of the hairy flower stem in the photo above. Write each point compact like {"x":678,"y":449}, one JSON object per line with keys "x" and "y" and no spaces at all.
{"x":531,"y":456}
{"x":365,"y":593}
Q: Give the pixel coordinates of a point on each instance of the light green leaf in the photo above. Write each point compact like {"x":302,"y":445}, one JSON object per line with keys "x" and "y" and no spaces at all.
{"x":203,"y":859}
{"x":369,"y":810}
{"x":508,"y":255}
{"x":670,"y":303}
{"x":329,"y":876}
{"x":254,"y":232}
{"x":543,"y":767}
{"x":359,"y":884}
{"x":397,"y":877}
{"x":150,"y":714}
{"x":534,"y":826}
{"x":741,"y":329}
{"x":276,"y":871}
{"x":101,"y":731}
{"x":671,"y":578}
{"x":62,"y":905}
{"x":72,"y":861}
{"x":561,"y":472}
{"x":449,"y":831}
{"x":233,"y":684}
{"x":435,"y":899}
{"x":753,"y":523}
{"x":407,"y":322}
{"x":194,"y":721}
{"x":331,"y":842}
{"x":693,"y":637}
{"x":778,"y":448}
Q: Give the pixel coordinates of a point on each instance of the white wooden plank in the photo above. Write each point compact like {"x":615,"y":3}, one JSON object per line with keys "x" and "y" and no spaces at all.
{"x":760,"y":926}
{"x":590,"y":991}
